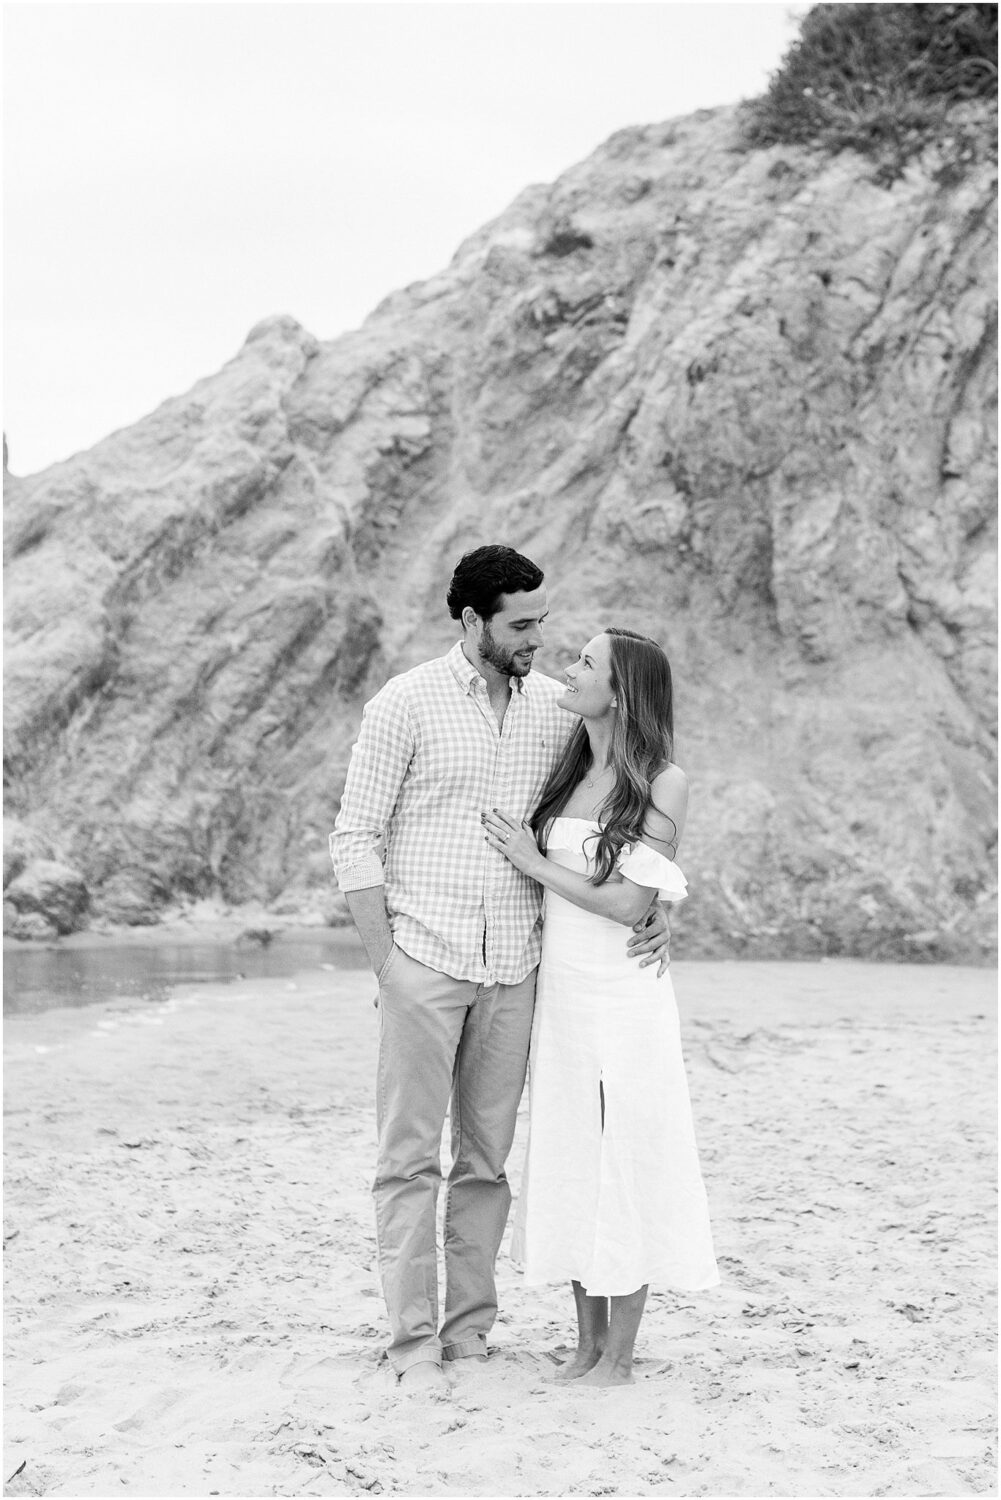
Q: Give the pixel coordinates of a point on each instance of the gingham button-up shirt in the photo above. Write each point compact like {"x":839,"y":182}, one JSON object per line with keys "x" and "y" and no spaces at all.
{"x":429,"y":758}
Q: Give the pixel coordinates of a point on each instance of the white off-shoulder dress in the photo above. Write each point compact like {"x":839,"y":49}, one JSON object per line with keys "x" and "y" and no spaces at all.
{"x":619,"y":1202}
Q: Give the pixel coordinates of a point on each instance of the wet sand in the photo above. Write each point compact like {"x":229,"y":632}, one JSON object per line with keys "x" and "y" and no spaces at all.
{"x":192,"y":1300}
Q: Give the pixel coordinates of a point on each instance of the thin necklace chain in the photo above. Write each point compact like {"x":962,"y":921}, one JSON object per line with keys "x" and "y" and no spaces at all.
{"x":592,"y":780}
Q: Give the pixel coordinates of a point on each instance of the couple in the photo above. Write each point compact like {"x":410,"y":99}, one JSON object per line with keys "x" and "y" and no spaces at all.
{"x":477,"y":786}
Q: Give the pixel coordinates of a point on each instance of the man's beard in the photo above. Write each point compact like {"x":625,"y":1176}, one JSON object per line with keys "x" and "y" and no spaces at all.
{"x":503,"y":661}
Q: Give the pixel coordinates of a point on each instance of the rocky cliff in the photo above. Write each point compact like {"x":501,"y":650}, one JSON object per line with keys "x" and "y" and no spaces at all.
{"x":739,"y":399}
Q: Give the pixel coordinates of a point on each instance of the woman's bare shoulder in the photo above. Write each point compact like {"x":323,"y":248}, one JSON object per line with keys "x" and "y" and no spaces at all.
{"x":665,"y":816}
{"x":668,"y":787}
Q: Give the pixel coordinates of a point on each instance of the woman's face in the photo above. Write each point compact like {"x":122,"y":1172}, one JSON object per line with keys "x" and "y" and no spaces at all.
{"x":589,"y":681}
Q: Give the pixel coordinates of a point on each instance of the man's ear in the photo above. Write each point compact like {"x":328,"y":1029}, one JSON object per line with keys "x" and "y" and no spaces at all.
{"x":470,"y":618}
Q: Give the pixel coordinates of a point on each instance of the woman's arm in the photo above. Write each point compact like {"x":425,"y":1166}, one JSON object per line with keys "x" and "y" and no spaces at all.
{"x":618,"y":899}
{"x":665,"y":818}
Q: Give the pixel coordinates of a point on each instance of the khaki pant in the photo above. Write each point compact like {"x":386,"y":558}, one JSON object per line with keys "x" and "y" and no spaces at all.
{"x":442,"y":1038}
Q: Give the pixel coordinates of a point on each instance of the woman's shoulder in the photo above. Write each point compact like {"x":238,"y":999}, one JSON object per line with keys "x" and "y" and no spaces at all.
{"x":665,"y":815}
{"x":668,"y":785}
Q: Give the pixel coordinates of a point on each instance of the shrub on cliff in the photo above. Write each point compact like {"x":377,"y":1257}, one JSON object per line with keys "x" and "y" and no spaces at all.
{"x":884,"y":80}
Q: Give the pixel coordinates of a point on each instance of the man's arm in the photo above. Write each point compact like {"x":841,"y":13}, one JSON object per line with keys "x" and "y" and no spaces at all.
{"x":379,"y":762}
{"x":368,"y":911}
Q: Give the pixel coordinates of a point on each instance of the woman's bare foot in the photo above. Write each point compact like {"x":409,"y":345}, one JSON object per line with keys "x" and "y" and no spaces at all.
{"x":608,"y":1372}
{"x":425,"y":1375}
{"x":576,"y":1368}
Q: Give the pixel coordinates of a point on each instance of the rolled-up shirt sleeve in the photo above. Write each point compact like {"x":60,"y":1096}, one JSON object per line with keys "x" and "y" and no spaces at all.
{"x":378,"y":765}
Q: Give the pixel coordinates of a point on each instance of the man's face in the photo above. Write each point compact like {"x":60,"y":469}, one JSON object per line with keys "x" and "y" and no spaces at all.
{"x":511,"y":638}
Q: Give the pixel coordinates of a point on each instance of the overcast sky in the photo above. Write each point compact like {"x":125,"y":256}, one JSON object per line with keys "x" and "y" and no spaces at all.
{"x":176,"y":172}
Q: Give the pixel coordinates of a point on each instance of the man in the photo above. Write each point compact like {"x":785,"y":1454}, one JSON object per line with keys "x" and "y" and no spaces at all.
{"x":453,"y":933}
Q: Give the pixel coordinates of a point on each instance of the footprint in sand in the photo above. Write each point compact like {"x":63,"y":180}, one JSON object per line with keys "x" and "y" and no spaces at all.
{"x":68,"y":1393}
{"x":155,"y":1407}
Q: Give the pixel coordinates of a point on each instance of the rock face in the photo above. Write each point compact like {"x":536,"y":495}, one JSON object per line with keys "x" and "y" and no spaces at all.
{"x":739,"y":400}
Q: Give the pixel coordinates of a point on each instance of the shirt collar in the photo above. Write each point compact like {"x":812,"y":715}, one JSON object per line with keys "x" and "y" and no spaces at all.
{"x":466,"y":674}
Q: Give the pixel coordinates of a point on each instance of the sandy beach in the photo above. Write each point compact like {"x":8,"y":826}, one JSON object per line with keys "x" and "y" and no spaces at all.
{"x":192,"y":1299}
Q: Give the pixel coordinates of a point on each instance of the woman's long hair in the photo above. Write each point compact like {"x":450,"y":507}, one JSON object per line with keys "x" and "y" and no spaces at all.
{"x":641,"y":745}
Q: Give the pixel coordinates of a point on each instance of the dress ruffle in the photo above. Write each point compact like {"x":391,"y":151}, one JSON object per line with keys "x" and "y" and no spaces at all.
{"x":644,"y":866}
{"x":637,"y":862}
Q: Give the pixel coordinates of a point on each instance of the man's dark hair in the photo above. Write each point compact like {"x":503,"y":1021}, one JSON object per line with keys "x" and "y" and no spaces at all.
{"x":486,"y":573}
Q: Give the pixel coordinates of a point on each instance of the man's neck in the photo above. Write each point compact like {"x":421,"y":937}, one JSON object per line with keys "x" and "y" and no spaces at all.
{"x":498,"y":683}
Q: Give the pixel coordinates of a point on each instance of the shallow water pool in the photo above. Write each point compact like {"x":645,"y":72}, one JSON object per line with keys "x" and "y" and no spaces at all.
{"x":44,"y":977}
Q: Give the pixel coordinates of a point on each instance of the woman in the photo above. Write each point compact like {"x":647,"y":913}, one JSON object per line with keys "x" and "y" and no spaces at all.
{"x":612,"y":1196}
